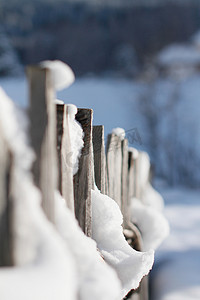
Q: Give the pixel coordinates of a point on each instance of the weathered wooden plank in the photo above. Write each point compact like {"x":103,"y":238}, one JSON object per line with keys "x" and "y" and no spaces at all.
{"x":137,"y":193}
{"x":83,"y":178}
{"x":144,"y":288}
{"x":43,"y":135}
{"x":141,"y":293}
{"x":6,"y":206}
{"x":106,"y":179}
{"x":132,"y":233}
{"x":114,"y":162}
{"x":124,"y":185}
{"x":65,"y":170}
{"x":131,"y":177}
{"x":99,"y":157}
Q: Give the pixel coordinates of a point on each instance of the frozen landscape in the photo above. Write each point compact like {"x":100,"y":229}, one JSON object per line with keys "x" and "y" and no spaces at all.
{"x":116,"y":102}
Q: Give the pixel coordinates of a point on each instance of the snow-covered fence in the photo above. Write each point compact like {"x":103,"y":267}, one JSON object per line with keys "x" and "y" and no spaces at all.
{"x":70,"y":156}
{"x":83,"y":179}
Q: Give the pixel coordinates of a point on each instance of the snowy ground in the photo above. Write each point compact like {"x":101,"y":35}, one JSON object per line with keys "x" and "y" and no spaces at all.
{"x":176,"y":273}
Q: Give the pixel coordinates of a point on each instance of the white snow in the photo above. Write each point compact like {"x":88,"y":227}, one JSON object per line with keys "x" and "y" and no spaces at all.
{"x":62,"y":75}
{"x":176,"y":273}
{"x":120,"y":132}
{"x":50,"y":264}
{"x":148,"y":195}
{"x":72,"y":110}
{"x":57,"y":101}
{"x":134,"y":151}
{"x":76,"y":138}
{"x":44,"y":267}
{"x":152,"y":224}
{"x":94,"y":275}
{"x":129,"y":264}
{"x":146,"y":212}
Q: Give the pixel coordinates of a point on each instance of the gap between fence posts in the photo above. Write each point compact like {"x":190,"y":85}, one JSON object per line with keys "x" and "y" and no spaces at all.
{"x":83,"y":181}
{"x":43,"y":135}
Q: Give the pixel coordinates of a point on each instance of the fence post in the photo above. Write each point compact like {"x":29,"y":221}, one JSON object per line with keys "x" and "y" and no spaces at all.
{"x":6,"y":206}
{"x":99,"y":157}
{"x":43,"y":135}
{"x":65,"y":170}
{"x":124,"y":188}
{"x":83,"y":182}
{"x":131,"y":176}
{"x":114,"y":162}
{"x":136,"y":186}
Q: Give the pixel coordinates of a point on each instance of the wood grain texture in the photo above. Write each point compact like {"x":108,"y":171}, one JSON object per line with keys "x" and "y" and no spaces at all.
{"x":83,"y":178}
{"x":137,"y":192}
{"x":64,"y":151}
{"x":43,"y":135}
{"x":124,"y":184}
{"x":114,"y":169}
{"x":131,"y":176}
{"x":6,"y":206}
{"x":99,"y":157}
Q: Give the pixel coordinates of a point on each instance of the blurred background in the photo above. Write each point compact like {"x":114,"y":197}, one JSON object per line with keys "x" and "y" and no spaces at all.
{"x":137,"y":64}
{"x":143,"y":54}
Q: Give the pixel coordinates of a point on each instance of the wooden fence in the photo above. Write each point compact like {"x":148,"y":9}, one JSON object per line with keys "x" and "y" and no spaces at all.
{"x":115,"y":170}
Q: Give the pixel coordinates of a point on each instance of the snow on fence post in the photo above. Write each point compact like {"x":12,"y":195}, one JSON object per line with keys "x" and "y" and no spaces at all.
{"x":43,"y":134}
{"x":133,"y":190}
{"x":65,"y":170}
{"x":6,"y":207}
{"x":83,"y":181}
{"x":114,"y":161}
{"x":99,"y":157}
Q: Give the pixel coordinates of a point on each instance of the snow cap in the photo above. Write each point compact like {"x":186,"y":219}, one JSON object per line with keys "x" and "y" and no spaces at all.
{"x":120,"y":132}
{"x":134,"y":151}
{"x":57,"y":101}
{"x":62,"y":74}
{"x":71,"y":110}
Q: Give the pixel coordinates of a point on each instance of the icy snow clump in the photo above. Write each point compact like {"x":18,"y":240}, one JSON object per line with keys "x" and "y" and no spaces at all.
{"x":61,"y":74}
{"x":152,"y":224}
{"x":107,"y":231}
{"x":120,"y":132}
{"x":94,"y":275}
{"x":76,"y":137}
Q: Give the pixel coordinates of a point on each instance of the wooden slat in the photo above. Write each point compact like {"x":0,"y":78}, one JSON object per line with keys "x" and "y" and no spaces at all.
{"x":124,"y":188}
{"x":99,"y":157}
{"x":6,"y":206}
{"x":65,"y":173}
{"x":137,"y":192}
{"x":83,"y":178}
{"x":43,"y":135}
{"x":114,"y":162}
{"x":131,"y":177}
